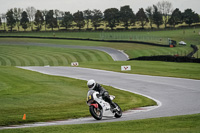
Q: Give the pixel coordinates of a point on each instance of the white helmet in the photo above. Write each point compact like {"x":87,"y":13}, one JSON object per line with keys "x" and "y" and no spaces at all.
{"x":91,"y":84}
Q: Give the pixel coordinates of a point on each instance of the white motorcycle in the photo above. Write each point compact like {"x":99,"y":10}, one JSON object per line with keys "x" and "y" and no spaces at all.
{"x":99,"y":108}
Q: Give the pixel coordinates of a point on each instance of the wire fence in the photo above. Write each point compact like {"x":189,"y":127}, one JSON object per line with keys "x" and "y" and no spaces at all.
{"x":131,"y":37}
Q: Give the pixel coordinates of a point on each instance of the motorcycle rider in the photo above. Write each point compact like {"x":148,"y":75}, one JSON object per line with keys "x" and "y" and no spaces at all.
{"x":92,"y":85}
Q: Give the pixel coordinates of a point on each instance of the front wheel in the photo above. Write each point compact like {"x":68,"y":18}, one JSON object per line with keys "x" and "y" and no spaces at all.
{"x":96,"y":112}
{"x":118,"y":113}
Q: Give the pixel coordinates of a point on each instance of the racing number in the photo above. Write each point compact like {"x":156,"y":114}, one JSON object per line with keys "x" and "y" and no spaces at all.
{"x":89,"y":98}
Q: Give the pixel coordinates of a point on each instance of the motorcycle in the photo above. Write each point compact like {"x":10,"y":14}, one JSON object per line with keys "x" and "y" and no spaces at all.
{"x":99,"y":108}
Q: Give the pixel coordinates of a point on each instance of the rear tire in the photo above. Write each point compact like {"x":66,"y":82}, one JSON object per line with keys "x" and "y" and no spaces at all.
{"x":96,"y":112}
{"x":118,"y":114}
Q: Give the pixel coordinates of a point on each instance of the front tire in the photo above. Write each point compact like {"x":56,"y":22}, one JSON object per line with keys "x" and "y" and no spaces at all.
{"x":96,"y":112}
{"x":118,"y":113}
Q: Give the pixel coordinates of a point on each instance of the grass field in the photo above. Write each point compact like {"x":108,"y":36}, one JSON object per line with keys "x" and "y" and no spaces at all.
{"x":43,"y":97}
{"x":132,"y":49}
{"x":177,"y":124}
{"x":190,"y":36}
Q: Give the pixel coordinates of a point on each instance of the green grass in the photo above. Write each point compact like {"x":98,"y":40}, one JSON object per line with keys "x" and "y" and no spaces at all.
{"x":155,"y":68}
{"x":43,"y":97}
{"x":39,"y":56}
{"x":188,"y":35}
{"x":132,"y":49}
{"x":176,"y":124}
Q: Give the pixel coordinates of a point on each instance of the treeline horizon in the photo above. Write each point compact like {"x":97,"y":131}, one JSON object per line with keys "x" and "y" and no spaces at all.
{"x":159,"y":14}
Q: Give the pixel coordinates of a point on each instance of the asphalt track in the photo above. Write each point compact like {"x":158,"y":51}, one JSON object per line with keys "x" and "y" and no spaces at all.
{"x":175,"y":96}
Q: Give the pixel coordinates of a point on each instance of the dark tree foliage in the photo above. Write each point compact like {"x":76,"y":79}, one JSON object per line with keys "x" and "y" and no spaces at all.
{"x":50,"y":20}
{"x":158,"y":14}
{"x":67,"y":20}
{"x":141,"y":17}
{"x":111,"y":16}
{"x":157,"y":17}
{"x":11,"y":22}
{"x":189,"y":17}
{"x":96,"y":19}
{"x":39,"y":20}
{"x":79,"y":19}
{"x":127,"y":17}
{"x":24,"y":20}
{"x":196,"y":18}
{"x":176,"y":17}
{"x":87,"y":14}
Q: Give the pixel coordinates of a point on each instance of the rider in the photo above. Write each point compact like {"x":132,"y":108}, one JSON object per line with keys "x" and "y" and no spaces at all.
{"x":92,"y":85}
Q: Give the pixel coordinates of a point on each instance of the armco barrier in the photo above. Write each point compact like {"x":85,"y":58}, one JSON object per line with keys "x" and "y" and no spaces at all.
{"x":168,"y":58}
{"x":88,"y":39}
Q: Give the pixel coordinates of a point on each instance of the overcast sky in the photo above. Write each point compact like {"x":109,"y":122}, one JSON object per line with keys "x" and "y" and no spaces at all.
{"x":75,"y":5}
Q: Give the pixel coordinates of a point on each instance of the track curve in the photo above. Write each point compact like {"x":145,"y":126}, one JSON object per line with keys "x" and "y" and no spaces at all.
{"x":116,"y":55}
{"x":176,"y":95}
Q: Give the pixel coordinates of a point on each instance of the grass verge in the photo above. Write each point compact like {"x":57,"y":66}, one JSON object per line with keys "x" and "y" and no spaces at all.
{"x":176,"y":124}
{"x":43,"y":97}
{"x":12,"y":55}
{"x":154,"y":68}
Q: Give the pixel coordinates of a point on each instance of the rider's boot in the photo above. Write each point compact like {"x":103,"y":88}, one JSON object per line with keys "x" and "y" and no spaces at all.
{"x":114,"y":106}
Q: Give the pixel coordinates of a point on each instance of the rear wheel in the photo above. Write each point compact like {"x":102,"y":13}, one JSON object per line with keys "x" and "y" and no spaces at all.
{"x":118,"y":113}
{"x":96,"y":112}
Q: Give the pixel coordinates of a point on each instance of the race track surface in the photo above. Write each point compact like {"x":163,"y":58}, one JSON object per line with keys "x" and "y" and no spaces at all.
{"x":175,"y":96}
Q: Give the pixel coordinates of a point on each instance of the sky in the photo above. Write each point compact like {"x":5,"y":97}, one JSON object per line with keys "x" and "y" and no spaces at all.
{"x":81,"y":5}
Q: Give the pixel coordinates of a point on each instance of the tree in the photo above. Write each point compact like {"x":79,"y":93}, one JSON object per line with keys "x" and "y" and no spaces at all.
{"x":44,"y":13}
{"x":79,"y":19}
{"x":165,"y":7}
{"x":39,"y":20}
{"x":196,"y":18}
{"x":157,"y":17}
{"x":50,"y":20}
{"x":67,"y":20}
{"x":24,"y":20}
{"x":127,"y":17}
{"x":142,"y":17}
{"x":17,"y":15}
{"x":11,"y":22}
{"x":149,"y":12}
{"x":4,"y":20}
{"x":58,"y":15}
{"x":189,"y":17}
{"x":31,"y":14}
{"x":96,"y":19}
{"x":111,"y":16}
{"x":87,"y":14}
{"x":176,"y":17}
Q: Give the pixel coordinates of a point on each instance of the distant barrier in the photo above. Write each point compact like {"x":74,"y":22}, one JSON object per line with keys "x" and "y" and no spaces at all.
{"x":195,"y":49}
{"x":168,"y":58}
{"x":88,"y":39}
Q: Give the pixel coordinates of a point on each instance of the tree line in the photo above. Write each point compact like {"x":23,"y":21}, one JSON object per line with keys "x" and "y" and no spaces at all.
{"x":158,"y":14}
